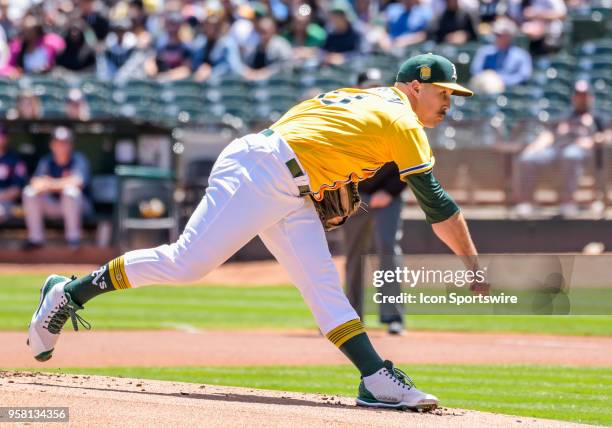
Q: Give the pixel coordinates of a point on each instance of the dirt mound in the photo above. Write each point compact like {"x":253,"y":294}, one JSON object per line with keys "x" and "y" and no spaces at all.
{"x":107,"y":401}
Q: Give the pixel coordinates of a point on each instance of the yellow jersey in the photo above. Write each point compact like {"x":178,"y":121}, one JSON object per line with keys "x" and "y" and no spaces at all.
{"x":349,"y":134}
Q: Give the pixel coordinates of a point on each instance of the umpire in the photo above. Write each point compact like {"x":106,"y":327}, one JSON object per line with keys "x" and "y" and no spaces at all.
{"x":382,"y":196}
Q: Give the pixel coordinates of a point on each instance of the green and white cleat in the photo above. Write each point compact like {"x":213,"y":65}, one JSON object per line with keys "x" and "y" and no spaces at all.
{"x":54,"y":308}
{"x":391,"y":388}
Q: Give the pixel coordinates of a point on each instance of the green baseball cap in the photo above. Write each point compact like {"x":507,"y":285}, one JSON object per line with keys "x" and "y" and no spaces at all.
{"x":434,"y":69}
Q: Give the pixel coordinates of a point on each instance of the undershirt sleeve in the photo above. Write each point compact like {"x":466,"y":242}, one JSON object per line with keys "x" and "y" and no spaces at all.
{"x":432,"y":198}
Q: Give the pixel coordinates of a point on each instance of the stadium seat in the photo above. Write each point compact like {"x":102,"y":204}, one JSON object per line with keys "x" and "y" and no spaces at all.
{"x":52,"y":109}
{"x":588,"y":27}
{"x":595,"y":47}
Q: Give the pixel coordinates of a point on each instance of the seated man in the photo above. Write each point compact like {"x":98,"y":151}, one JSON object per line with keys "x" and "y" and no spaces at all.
{"x":570,"y":143}
{"x":455,"y":25}
{"x":343,"y":40}
{"x":13,"y":176}
{"x":172,"y":60}
{"x":214,"y":53}
{"x":57,"y":191}
{"x":407,"y":23}
{"x":542,"y":22}
{"x":269,"y":55}
{"x":509,"y":63}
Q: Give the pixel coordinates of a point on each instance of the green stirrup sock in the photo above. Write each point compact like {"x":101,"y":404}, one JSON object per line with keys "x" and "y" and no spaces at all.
{"x":353,"y":341}
{"x":109,"y":277}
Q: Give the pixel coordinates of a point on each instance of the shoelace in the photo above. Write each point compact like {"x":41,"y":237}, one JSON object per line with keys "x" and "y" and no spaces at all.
{"x":398,"y":375}
{"x":63,"y":311}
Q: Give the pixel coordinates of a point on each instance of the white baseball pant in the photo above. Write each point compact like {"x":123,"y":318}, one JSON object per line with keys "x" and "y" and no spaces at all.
{"x":69,"y":206}
{"x":251,"y":192}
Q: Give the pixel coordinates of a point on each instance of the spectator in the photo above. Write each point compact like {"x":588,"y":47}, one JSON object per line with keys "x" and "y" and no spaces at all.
{"x":121,"y":44}
{"x":33,"y":52}
{"x":57,"y":190}
{"x":304,"y":34}
{"x":215,"y":53}
{"x":172,"y":60}
{"x":542,"y":22}
{"x":278,"y":9}
{"x":96,"y":20}
{"x":29,"y":105}
{"x":570,"y":144}
{"x":511,"y":63}
{"x":139,"y":20}
{"x":454,"y":25}
{"x":242,"y":24}
{"x":342,"y":39}
{"x":270,"y":54}
{"x":5,"y":22}
{"x":382,"y":195}
{"x":4,"y":52}
{"x":491,"y":10}
{"x":470,"y":6}
{"x":78,"y":55}
{"x":77,"y":107}
{"x":366,"y":10}
{"x":13,"y":175}
{"x":407,"y":23}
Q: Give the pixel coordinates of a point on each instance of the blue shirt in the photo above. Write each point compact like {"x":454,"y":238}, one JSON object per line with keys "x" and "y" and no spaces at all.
{"x":513,"y":65}
{"x":346,"y":42}
{"x":401,"y":21}
{"x":78,"y":166}
{"x":13,"y":171}
{"x":223,"y":55}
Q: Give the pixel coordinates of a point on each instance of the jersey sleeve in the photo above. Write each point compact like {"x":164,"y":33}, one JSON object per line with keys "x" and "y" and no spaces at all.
{"x":81,"y":168}
{"x":43,"y":167}
{"x":20,"y":174}
{"x":410,"y":149}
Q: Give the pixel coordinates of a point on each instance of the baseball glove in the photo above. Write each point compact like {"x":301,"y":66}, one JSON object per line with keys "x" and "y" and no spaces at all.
{"x":337,"y":205}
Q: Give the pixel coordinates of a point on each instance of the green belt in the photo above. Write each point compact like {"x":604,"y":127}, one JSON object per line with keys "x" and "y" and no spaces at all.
{"x":292,"y":165}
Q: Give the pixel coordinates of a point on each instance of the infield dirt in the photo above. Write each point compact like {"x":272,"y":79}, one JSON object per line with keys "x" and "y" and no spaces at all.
{"x":96,"y":401}
{"x":300,"y":347}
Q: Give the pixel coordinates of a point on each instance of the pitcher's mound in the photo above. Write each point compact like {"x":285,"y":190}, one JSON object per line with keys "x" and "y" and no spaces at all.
{"x":108,"y":401}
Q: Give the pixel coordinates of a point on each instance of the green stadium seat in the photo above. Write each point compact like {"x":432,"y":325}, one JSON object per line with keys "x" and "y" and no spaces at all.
{"x":53,"y":109}
{"x":588,"y":28}
{"x":524,"y":92}
{"x":595,"y":47}
{"x":29,"y":81}
{"x":138,"y":86}
{"x":101,"y":110}
{"x":231,"y":94}
{"x":231,"y":82}
{"x":181,"y":88}
{"x":240,"y":109}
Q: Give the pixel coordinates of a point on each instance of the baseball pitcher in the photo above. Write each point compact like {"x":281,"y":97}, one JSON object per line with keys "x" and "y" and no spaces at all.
{"x":288,"y":184}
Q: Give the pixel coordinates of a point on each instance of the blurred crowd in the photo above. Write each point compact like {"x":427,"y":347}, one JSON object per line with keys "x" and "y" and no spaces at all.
{"x":167,"y":40}
{"x":175,"y":39}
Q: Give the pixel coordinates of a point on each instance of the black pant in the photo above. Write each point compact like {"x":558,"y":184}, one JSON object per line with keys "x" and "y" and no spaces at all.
{"x":384,"y":224}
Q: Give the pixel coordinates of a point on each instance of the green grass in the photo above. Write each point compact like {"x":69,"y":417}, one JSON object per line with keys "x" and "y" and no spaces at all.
{"x":576,"y":394}
{"x":252,"y":307}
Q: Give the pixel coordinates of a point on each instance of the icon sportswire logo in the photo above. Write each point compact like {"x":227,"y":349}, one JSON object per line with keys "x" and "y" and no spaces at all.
{"x":98,"y":280}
